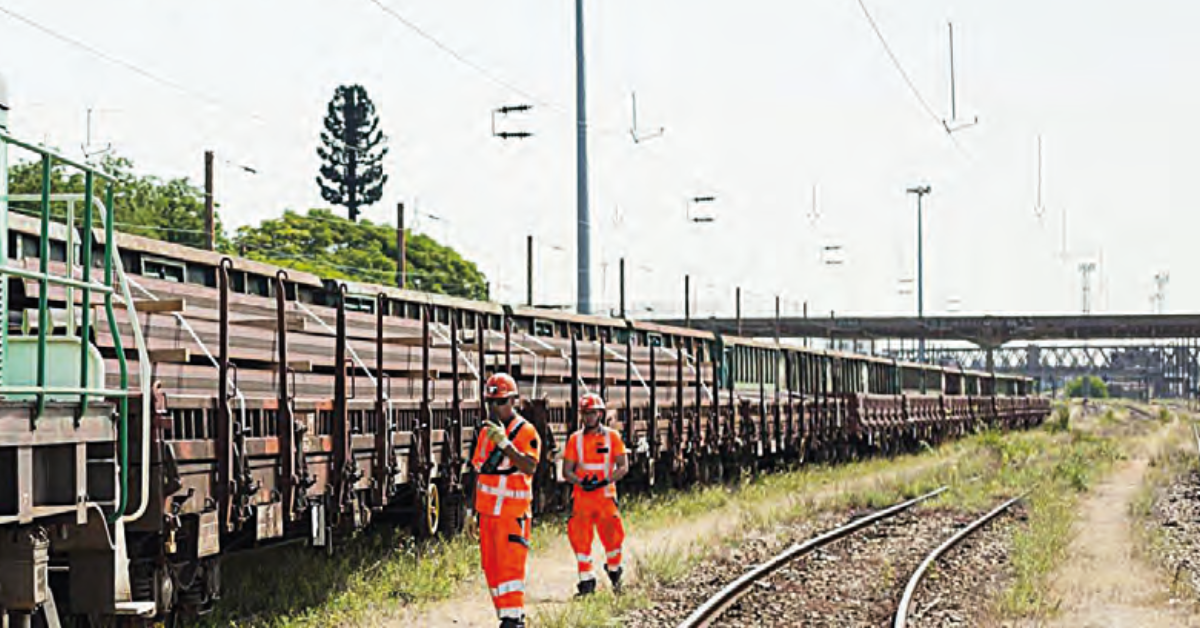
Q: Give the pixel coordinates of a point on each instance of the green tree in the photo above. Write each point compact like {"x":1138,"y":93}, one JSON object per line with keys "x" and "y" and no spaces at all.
{"x":352,"y":151}
{"x":333,"y":247}
{"x":1087,"y":386}
{"x":164,"y":209}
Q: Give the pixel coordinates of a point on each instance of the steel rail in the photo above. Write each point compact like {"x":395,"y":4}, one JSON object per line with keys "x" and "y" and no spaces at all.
{"x":901,"y":618}
{"x":716,"y":605}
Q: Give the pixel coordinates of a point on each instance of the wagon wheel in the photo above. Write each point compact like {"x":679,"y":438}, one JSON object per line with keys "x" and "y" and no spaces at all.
{"x":716,"y":469}
{"x":431,"y":512}
{"x":454,"y":512}
{"x":695,"y":468}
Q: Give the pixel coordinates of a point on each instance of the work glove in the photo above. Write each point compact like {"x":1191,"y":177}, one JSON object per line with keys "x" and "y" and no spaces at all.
{"x":593,"y":483}
{"x":495,"y":433}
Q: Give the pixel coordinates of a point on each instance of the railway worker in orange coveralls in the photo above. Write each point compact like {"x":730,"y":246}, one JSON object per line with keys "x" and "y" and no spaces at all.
{"x":594,"y":460}
{"x":505,"y":458}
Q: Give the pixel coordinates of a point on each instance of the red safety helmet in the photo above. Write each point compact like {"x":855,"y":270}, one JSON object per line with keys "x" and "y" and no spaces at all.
{"x":500,"y":386}
{"x":591,"y":401}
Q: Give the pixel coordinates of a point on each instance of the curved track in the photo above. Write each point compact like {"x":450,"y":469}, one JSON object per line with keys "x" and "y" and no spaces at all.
{"x":715,"y":606}
{"x":708,"y":613}
{"x":910,"y":590}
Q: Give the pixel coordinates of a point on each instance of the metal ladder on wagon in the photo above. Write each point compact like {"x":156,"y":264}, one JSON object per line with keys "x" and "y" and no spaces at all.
{"x":65,"y":469}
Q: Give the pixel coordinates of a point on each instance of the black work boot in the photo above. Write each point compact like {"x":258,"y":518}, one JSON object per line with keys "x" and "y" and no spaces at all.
{"x":586,"y":587}
{"x":509,"y":622}
{"x":614,"y":576}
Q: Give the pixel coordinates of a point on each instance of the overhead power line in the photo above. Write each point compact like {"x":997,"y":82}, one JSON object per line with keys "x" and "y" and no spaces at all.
{"x":458,"y":56}
{"x":120,"y":62}
{"x":899,"y":67}
{"x":483,"y":71}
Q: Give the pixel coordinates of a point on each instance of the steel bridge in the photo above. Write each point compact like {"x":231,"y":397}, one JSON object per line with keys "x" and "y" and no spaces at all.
{"x":1159,"y":357}
{"x":1155,"y":370}
{"x":985,"y":331}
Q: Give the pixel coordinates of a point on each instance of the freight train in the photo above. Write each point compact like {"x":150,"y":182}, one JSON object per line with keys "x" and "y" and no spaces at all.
{"x":162,"y":406}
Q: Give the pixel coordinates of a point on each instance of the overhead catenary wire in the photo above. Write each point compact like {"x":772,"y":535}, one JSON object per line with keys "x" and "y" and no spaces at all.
{"x":907,"y":79}
{"x":413,"y":26}
{"x":220,"y":103}
{"x":482,"y":70}
{"x":147,"y":74}
{"x":456,"y":55}
{"x":899,"y":67}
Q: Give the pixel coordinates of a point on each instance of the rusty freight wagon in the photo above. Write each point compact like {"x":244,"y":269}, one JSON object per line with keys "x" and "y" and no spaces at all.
{"x":163,"y":406}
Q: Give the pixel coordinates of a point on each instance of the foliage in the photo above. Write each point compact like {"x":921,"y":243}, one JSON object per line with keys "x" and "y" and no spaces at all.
{"x":1087,"y":386}
{"x":170,"y":209}
{"x":1060,"y":421}
{"x":336,"y":248}
{"x":370,"y":572}
{"x":1040,"y":543}
{"x":351,"y":152}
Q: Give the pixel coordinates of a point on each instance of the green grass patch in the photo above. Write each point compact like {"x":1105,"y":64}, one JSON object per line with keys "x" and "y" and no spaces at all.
{"x":1070,"y":466}
{"x":661,"y":567}
{"x":1060,"y":419}
{"x":300,"y":586}
{"x":599,"y":610}
{"x":379,"y":570}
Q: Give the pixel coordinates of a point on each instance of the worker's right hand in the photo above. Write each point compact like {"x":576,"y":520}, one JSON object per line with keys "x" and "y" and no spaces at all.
{"x":494,"y":433}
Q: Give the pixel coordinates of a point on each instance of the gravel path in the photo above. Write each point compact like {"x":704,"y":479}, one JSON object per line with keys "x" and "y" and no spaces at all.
{"x":1177,"y":512}
{"x":1104,"y":581}
{"x":854,"y":582}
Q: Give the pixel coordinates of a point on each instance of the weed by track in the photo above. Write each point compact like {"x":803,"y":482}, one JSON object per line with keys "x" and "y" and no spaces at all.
{"x":1175,"y":463}
{"x":385,"y":568}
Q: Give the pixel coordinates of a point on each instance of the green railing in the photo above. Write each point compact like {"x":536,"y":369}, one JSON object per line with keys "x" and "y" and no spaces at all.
{"x":40,"y":391}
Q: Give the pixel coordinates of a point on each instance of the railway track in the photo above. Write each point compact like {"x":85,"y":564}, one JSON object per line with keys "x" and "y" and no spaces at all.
{"x":910,"y":590}
{"x":712,"y":610}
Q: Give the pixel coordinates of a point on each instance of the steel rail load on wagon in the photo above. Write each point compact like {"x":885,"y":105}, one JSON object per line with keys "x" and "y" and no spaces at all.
{"x":190,"y":405}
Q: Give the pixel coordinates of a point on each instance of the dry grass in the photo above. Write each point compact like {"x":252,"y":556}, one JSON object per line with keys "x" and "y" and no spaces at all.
{"x":381,"y":569}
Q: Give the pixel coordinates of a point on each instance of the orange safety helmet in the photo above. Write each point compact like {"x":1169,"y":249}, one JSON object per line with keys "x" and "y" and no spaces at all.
{"x":591,"y":401}
{"x":500,"y":386}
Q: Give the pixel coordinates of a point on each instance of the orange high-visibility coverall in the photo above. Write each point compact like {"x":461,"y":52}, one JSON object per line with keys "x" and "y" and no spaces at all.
{"x":502,"y":500}
{"x":595,"y":454}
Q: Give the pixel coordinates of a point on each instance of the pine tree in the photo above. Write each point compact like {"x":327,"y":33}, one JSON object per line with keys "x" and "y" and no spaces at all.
{"x":352,"y":151}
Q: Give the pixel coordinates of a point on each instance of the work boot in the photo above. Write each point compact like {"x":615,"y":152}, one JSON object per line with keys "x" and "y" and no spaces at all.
{"x":614,"y":576}
{"x":586,"y":587}
{"x":509,"y":622}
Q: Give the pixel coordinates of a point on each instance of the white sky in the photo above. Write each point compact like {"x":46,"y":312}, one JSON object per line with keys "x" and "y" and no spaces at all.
{"x":761,"y":101}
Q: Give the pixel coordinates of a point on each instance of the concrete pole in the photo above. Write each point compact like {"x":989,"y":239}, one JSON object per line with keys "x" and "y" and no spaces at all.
{"x":401,"y":249}
{"x":529,"y":270}
{"x":921,"y":278}
{"x":920,"y":191}
{"x":583,"y":227}
{"x":209,"y":220}
{"x":622,"y":286}
{"x":806,"y":320}
{"x":776,"y":320}
{"x":737,"y":306}
{"x":687,"y":300}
